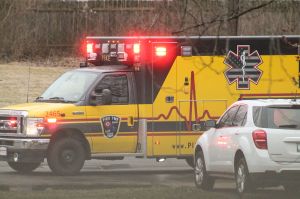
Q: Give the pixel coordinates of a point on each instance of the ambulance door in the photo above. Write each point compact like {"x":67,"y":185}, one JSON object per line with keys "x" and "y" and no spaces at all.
{"x":190,"y":104}
{"x":114,"y":120}
{"x":164,"y":95}
{"x":197,"y":101}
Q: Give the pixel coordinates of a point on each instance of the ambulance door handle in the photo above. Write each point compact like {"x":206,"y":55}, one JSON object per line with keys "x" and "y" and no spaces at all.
{"x":130,"y":121}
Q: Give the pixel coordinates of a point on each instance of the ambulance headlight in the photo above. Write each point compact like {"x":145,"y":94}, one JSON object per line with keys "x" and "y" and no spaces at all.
{"x":34,"y":126}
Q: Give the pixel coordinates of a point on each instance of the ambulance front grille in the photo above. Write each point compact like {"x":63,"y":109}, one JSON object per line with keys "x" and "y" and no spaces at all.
{"x":10,"y":124}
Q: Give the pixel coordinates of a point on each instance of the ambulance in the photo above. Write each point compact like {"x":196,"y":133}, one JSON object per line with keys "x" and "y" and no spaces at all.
{"x":144,"y":97}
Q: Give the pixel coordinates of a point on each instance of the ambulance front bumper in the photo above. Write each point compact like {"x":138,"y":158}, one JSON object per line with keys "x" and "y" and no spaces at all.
{"x":23,"y":149}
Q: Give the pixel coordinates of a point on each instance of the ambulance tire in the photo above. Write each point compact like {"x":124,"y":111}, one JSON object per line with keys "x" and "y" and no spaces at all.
{"x":24,"y":167}
{"x":66,"y":156}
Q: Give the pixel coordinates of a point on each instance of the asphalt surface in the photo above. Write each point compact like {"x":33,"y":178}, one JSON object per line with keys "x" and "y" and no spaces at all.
{"x":97,"y":174}
{"x":103,"y":173}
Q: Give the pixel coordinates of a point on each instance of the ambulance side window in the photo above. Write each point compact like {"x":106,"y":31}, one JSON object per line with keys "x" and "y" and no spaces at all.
{"x":118,"y":85}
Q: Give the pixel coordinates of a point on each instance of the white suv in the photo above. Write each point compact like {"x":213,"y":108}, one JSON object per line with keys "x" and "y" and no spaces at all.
{"x":255,"y":141}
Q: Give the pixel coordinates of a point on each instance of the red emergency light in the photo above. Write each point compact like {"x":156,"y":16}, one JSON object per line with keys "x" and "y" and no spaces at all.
{"x":13,"y":123}
{"x":130,"y":52}
{"x":89,"y":47}
{"x":136,"y":48}
{"x":161,"y":51}
{"x":51,"y":120}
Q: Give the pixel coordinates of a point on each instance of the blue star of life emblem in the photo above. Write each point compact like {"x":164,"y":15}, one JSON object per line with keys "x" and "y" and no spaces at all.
{"x":243,"y":67}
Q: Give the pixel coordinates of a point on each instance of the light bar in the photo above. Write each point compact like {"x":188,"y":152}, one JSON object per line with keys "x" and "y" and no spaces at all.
{"x":136,"y":48}
{"x":186,"y":51}
{"x":89,"y":48}
{"x":160,"y":51}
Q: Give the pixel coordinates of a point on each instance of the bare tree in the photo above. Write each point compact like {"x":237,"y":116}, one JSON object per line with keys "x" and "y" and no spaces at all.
{"x":39,"y":28}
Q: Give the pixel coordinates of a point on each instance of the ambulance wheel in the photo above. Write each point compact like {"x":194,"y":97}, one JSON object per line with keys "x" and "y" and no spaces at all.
{"x":66,"y":156}
{"x":190,"y":162}
{"x":24,"y":167}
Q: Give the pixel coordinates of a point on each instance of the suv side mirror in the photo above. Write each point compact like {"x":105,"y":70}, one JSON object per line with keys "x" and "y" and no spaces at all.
{"x":103,"y":98}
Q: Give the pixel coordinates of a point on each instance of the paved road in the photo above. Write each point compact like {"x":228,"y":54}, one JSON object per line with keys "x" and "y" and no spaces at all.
{"x":103,"y":173}
{"x":130,"y":172}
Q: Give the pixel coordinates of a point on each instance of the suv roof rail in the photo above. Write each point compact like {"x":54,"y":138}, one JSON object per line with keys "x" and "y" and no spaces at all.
{"x":269,"y":96}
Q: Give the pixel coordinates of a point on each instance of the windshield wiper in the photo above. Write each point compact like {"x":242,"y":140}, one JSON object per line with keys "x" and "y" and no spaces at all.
{"x":39,"y":99}
{"x":53,"y":99}
{"x":59,"y":99}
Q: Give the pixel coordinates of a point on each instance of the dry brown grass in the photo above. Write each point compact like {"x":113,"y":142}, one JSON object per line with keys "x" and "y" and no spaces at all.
{"x":14,"y":81}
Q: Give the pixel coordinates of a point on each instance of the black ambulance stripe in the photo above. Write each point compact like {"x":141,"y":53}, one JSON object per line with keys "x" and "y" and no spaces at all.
{"x":151,"y":127}
{"x":95,"y":127}
{"x":167,"y":126}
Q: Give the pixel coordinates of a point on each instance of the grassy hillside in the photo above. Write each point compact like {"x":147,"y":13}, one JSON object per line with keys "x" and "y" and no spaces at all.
{"x":18,"y":78}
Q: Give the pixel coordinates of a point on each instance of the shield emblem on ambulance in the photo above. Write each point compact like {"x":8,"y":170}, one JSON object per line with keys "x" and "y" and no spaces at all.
{"x":110,"y":126}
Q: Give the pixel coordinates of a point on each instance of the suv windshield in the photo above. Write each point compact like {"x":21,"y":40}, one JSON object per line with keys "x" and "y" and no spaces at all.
{"x":69,"y":87}
{"x":277,"y":117}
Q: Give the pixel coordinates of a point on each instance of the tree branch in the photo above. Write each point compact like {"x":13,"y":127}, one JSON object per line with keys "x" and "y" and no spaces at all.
{"x":8,"y":13}
{"x":250,"y":10}
{"x":222,"y":17}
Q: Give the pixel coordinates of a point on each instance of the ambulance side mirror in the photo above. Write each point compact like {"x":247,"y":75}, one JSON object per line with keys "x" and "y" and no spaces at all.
{"x":101,"y":98}
{"x":204,"y":125}
{"x":210,"y":124}
{"x":200,"y":126}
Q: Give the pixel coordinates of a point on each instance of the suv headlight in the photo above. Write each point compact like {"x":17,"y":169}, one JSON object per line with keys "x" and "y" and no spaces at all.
{"x":34,"y":126}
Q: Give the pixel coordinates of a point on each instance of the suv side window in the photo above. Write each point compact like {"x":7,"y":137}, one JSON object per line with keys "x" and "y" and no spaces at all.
{"x":241,"y":116}
{"x":227,"y":119}
{"x":118,"y":85}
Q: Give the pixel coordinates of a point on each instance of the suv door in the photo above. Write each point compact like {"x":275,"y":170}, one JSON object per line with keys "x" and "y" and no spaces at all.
{"x":220,"y":138}
{"x":115,"y":126}
{"x":232,"y":133}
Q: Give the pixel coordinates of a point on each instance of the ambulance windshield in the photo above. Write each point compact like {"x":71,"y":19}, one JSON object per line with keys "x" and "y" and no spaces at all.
{"x":70,"y":87}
